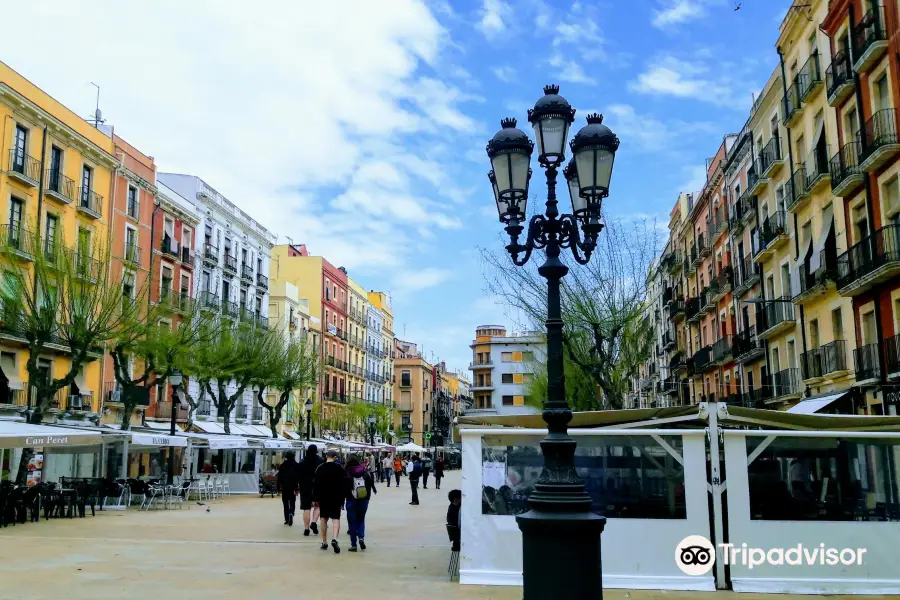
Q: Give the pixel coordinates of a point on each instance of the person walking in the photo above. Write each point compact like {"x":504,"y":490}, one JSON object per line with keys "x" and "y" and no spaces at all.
{"x":414,"y":475}
{"x":387,"y":466}
{"x":362,"y":486}
{"x":426,"y":470}
{"x":329,"y":491}
{"x":287,"y":482}
{"x":306,"y":481}
{"x":438,"y":472}
{"x":398,"y":468}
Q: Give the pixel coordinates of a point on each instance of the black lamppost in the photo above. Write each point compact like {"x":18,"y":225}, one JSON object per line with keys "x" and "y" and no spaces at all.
{"x":560,"y":534}
{"x":372,"y":429}
{"x":308,"y":406}
{"x":175,"y":379}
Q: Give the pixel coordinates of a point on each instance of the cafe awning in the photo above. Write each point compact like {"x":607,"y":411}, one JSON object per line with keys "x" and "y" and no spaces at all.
{"x":82,"y":385}
{"x":157,"y":439}
{"x":15,"y":434}
{"x":221,"y":442}
{"x":809,"y":406}
{"x":648,"y":417}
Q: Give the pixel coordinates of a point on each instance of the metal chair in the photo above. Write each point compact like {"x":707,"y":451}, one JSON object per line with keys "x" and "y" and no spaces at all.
{"x":220,"y":487}
{"x":454,"y":534}
{"x":226,"y":486}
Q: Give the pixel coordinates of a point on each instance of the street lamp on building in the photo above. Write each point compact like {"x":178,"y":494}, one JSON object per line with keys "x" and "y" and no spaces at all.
{"x":560,"y":534}
{"x":175,"y":379}
{"x":308,"y":406}
{"x":372,"y":429}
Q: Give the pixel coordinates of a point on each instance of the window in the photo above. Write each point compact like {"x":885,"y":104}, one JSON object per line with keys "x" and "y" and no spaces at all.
{"x":87,"y":179}
{"x":786,"y":280}
{"x":405,"y":378}
{"x":166,"y":281}
{"x":814,"y":333}
{"x":131,"y":245}
{"x":508,"y":401}
{"x":527,"y":356}
{"x":851,"y":125}
{"x":51,"y":229}
{"x":131,"y":206}
{"x":16,"y":208}
{"x":185,"y":285}
{"x":84,"y":241}
{"x":128,"y":280}
{"x":837,"y":324}
{"x":205,"y":281}
{"x":56,"y":177}
{"x":20,"y":148}
{"x":506,"y":356}
{"x":506,"y":378}
{"x":860,"y":222}
{"x":868,"y":328}
{"x":881,"y":97}
{"x":890,"y":193}
{"x":806,"y":233}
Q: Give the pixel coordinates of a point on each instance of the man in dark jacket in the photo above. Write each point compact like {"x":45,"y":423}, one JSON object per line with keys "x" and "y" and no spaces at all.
{"x":414,"y":476}
{"x":288,"y":483}
{"x":426,"y":470}
{"x":307,"y":474}
{"x":329,"y":493}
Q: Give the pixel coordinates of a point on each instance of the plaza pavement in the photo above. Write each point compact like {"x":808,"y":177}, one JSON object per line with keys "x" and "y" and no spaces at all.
{"x":241,"y":550}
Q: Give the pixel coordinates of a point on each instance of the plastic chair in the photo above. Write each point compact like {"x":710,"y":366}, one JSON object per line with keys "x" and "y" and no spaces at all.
{"x":226,"y":486}
{"x":220,"y":488}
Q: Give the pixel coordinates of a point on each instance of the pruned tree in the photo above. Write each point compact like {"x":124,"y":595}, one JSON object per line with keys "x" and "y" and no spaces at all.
{"x":605,"y":335}
{"x":293,"y":367}
{"x":145,"y":353}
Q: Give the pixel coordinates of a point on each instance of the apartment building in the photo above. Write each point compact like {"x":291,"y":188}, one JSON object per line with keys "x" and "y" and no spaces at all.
{"x":413,"y":390}
{"x":56,"y":177}
{"x":381,"y":302}
{"x":375,"y":356}
{"x":502,"y":367}
{"x":647,"y":388}
{"x":358,"y":347}
{"x":289,"y":314}
{"x":232,"y":266}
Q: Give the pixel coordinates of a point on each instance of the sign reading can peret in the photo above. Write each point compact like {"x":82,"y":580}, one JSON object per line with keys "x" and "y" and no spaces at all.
{"x":47,"y":440}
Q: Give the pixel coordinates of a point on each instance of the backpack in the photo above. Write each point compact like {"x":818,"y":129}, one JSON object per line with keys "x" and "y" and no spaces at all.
{"x":360,"y":491}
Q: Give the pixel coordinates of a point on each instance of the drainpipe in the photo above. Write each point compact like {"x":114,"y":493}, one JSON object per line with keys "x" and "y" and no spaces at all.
{"x":793,"y":194}
{"x":870,"y":213}
{"x":152,"y":240}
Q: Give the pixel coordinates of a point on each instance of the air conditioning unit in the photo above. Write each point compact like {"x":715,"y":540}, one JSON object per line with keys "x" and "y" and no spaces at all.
{"x":76,"y":402}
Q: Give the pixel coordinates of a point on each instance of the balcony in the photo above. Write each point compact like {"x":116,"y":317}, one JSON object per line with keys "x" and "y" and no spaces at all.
{"x":79,"y":404}
{"x":774,"y":316}
{"x":230,"y":310}
{"x":670,"y":386}
{"x":846,"y":174}
{"x":719,"y":224}
{"x":209,"y":301}
{"x":795,"y":192}
{"x":676,"y":262}
{"x":838,"y":79}
{"x":170,"y":247}
{"x":874,"y":259}
{"x":786,"y":383}
{"x":756,"y":183}
{"x":770,"y":158}
{"x":704,"y":248}
{"x":140,"y":396}
{"x":824,"y":361}
{"x":257,"y":414}
{"x":484,"y":386}
{"x":210,"y":254}
{"x":246,"y":274}
{"x":793,"y":106}
{"x":814,"y":284}
{"x":809,"y":79}
{"x":747,"y":346}
{"x":692,"y":308}
{"x":736,"y":217}
{"x":746,"y":276}
{"x":818,"y":172}
{"x":724,"y":281}
{"x":772,"y":234}
{"x":230,"y":263}
{"x":865,"y":363}
{"x":703,"y":360}
{"x":132,"y":253}
{"x":164,"y":411}
{"x":748,"y":203}
{"x":59,"y":187}
{"x":187,"y":257}
{"x":880,"y":142}
{"x":678,"y":363}
{"x":262,"y":281}
{"x":722,"y":349}
{"x":204,"y":408}
{"x":14,"y":398}
{"x":90,"y":203}
{"x":23,"y":168}
{"x":676,"y":309}
{"x":755,"y":398}
{"x":708,"y":297}
{"x":698,"y":251}
{"x":17,"y":241}
{"x":870,"y":40}
{"x":892,"y":356}
{"x":668,"y":341}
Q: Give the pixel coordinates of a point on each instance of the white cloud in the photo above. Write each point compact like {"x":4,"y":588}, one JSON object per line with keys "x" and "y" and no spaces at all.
{"x":505,"y":73}
{"x":569,"y":70}
{"x":696,"y":179}
{"x":646,"y":133}
{"x":417,"y":280}
{"x":671,"y":76}
{"x":322,"y":132}
{"x":677,"y":12}
{"x":494,"y":18}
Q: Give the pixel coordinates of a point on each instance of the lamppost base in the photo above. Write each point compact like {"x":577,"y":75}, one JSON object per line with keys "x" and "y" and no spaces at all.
{"x":561,"y":555}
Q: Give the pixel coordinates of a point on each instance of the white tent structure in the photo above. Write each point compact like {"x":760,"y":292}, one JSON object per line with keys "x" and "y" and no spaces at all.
{"x":410,"y":447}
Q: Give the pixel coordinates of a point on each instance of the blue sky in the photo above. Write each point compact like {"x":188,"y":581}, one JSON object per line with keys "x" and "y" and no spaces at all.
{"x":359,"y":127}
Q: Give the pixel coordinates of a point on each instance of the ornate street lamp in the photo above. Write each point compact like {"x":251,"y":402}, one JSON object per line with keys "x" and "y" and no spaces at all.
{"x":308,"y":406}
{"x":560,"y":535}
{"x":175,"y":379}
{"x":372,"y":429}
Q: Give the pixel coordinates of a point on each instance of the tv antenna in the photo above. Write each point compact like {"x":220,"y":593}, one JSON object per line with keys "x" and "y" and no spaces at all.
{"x":97,"y":119}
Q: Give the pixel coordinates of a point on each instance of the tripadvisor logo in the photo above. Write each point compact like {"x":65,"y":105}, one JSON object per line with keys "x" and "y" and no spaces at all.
{"x":696,"y":555}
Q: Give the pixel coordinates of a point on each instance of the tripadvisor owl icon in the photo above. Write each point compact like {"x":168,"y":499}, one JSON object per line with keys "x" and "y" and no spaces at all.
{"x":695,"y":555}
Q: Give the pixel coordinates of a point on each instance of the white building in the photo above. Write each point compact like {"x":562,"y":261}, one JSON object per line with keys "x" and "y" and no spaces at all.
{"x":233,"y":253}
{"x":647,"y":387}
{"x":502,"y":368}
{"x":375,"y":355}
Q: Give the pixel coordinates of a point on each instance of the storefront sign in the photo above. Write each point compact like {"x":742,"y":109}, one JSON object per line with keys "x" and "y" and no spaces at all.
{"x":48,"y":440}
{"x":139,"y":439}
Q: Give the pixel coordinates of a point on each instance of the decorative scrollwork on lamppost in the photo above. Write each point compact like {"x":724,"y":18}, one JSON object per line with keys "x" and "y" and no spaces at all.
{"x":560,"y":535}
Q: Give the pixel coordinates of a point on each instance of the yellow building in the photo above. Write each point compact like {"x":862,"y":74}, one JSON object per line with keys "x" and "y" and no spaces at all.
{"x":357,"y":338}
{"x":815,"y":215}
{"x":380,"y":301}
{"x":55,"y":177}
{"x":289,"y":314}
{"x":413,"y":391}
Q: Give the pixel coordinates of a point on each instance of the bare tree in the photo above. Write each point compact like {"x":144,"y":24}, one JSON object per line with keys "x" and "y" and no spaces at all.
{"x":605,"y":335}
{"x":292,"y":367}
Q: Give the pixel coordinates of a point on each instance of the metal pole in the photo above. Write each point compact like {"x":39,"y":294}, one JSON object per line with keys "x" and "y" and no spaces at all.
{"x":308,"y":423}
{"x":172,"y":433}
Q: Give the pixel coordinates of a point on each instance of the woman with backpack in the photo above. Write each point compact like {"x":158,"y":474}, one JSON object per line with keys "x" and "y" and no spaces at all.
{"x":362,"y":486}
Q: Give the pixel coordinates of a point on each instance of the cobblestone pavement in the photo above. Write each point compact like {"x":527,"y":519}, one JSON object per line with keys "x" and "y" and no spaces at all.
{"x":241,"y":549}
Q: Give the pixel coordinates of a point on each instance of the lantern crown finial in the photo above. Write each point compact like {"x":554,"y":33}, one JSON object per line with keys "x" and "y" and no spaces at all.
{"x":595,"y":119}
{"x":508,"y":122}
{"x":551,"y":89}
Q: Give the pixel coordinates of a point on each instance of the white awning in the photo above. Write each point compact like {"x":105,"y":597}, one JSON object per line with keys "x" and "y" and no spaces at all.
{"x":8,"y":368}
{"x":814,"y":405}
{"x":827,"y":223}
{"x":278,"y":444}
{"x":14,"y":434}
{"x":82,"y":385}
{"x":221,"y":442}
{"x":208,"y":426}
{"x":291,"y":435}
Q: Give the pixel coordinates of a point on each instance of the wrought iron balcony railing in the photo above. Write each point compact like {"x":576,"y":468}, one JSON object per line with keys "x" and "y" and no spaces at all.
{"x":23,"y":167}
{"x":868,"y":255}
{"x":90,"y":202}
{"x":865,"y":361}
{"x":59,"y":186}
